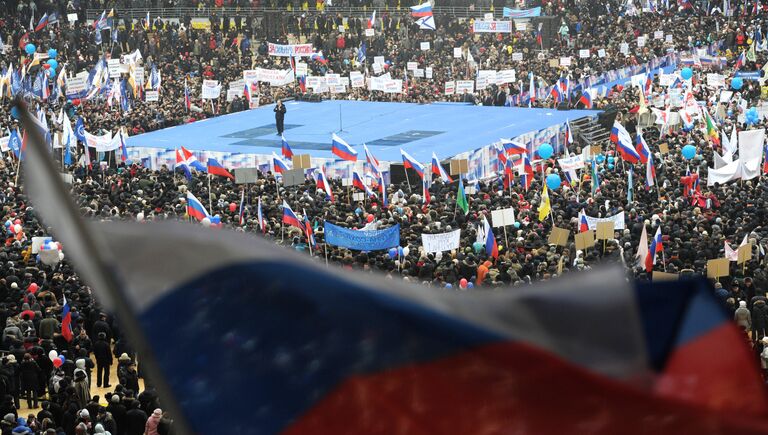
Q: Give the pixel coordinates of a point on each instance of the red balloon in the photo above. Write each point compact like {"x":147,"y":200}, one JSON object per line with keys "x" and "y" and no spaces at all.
{"x":463,"y":283}
{"x":33,"y":288}
{"x":57,"y":362}
{"x":76,"y":101}
{"x":46,"y":66}
{"x":17,"y":222}
{"x":232,"y":207}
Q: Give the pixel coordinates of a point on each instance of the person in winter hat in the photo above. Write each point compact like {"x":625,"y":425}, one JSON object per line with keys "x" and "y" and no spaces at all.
{"x":743,"y":317}
{"x":153,"y":422}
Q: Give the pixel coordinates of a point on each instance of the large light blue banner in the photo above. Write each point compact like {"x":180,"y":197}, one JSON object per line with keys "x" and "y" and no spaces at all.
{"x":362,"y":240}
{"x":522,"y":13}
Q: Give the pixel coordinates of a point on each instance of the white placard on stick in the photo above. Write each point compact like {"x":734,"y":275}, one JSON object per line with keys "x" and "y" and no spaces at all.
{"x":659,"y":34}
{"x":565,"y":61}
{"x":370,"y":32}
{"x":624,"y":48}
{"x":584,"y":54}
{"x":410,"y":66}
{"x":457,"y":52}
{"x":503,"y":217}
{"x":424,"y":46}
{"x":518,"y":57}
{"x":441,"y":242}
{"x":601,"y":53}
{"x":151,"y":96}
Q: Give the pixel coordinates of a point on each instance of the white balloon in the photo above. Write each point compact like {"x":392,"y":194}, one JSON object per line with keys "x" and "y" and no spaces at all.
{"x":61,"y":255}
{"x":206,"y":222}
{"x":52,"y":355}
{"x":140,"y":216}
{"x":406,"y":250}
{"x":17,"y":228}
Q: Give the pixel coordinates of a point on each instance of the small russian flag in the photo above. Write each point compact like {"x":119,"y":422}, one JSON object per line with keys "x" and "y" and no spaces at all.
{"x":656,"y":248}
{"x":215,"y":168}
{"x":280,"y":164}
{"x":513,"y":148}
{"x":586,"y":99}
{"x":410,"y":162}
{"x":341,"y":148}
{"x":195,"y":208}
{"x":322,"y":183}
{"x":290,"y":218}
{"x":260,"y":216}
{"x":66,"y":321}
{"x":438,"y":169}
{"x":286,"y":149}
{"x":642,"y":147}
{"x":583,"y":224}
{"x":42,"y":23}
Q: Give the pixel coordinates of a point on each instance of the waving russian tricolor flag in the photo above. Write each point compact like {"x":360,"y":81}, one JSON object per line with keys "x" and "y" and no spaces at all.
{"x":642,"y":147}
{"x":215,"y":168}
{"x":279,"y":164}
{"x":318,"y":57}
{"x":357,"y":182}
{"x":531,"y":90}
{"x":187,"y":99}
{"x":422,"y":10}
{"x":437,"y":169}
{"x":241,"y":212}
{"x":372,"y":20}
{"x":491,"y":247}
{"x":42,"y":23}
{"x":556,"y":93}
{"x":586,"y":98}
{"x":286,"y":149}
{"x":309,"y":232}
{"x":322,"y":183}
{"x":66,"y":321}
{"x":195,"y":208}
{"x":583,"y":224}
{"x":650,"y":173}
{"x":741,"y":60}
{"x":341,"y":148}
{"x":411,"y":163}
{"x":426,"y":349}
{"x":260,"y":217}
{"x":383,"y":191}
{"x":372,"y":161}
{"x":513,"y":148}
{"x":568,"y":136}
{"x":620,"y":136}
{"x":290,"y":218}
{"x":657,"y":247}
{"x":526,"y":172}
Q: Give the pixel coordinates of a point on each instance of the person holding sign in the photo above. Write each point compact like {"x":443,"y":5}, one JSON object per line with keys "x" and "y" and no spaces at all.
{"x":279,"y":116}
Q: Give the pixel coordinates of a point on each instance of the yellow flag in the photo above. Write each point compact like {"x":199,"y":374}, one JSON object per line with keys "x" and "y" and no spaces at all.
{"x":643,"y":103}
{"x":544,"y":207}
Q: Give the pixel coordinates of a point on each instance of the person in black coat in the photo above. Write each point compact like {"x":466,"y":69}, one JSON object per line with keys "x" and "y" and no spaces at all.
{"x":279,"y":116}
{"x":30,"y":374}
{"x":118,"y":411}
{"x":759,"y":320}
{"x":103,"y":354}
{"x":135,"y":420}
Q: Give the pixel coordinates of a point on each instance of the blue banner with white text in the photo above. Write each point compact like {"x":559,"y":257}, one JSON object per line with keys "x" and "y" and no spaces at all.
{"x":371,"y":240}
{"x":522,"y":13}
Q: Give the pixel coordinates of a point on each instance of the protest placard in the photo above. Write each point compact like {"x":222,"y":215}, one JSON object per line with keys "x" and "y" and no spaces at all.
{"x":457,"y":52}
{"x":370,"y":240}
{"x":565,"y":61}
{"x":369,"y":32}
{"x":617,"y":221}
{"x":585,"y":240}
{"x":584,"y":53}
{"x":559,"y":236}
{"x":150,"y":96}
{"x":465,"y":86}
{"x":450,"y":87}
{"x":428,"y":72}
{"x":664,"y":276}
{"x":441,"y":242}
{"x":424,"y":46}
{"x":518,"y":56}
{"x":410,"y":66}
{"x":718,"y":267}
{"x":659,"y":34}
{"x":605,"y":230}
{"x":211,"y":89}
{"x":503,"y":217}
{"x":601,"y":53}
{"x":744,"y":253}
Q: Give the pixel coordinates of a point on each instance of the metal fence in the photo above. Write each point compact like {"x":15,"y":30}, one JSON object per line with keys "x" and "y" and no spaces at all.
{"x":180,"y":12}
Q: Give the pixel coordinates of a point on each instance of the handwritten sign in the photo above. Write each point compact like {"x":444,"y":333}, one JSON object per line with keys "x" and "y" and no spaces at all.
{"x":441,"y":242}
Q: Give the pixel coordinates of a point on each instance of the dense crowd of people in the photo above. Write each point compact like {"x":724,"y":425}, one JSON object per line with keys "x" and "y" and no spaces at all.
{"x":695,"y":223}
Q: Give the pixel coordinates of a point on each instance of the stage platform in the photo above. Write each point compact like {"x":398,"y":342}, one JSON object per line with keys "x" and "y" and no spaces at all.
{"x":420,"y":129}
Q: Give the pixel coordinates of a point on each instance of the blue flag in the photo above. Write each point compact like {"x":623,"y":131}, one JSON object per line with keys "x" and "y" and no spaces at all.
{"x":362,"y":240}
{"x":80,"y":130}
{"x":361,"y":53}
{"x":14,"y":143}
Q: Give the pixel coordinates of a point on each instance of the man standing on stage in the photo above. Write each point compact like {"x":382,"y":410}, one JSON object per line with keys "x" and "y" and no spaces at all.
{"x":279,"y":116}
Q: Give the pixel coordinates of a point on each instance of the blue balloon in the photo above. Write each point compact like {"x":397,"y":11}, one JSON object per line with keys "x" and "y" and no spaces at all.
{"x":448,"y":285}
{"x":15,"y":112}
{"x":63,"y":360}
{"x":751,"y":116}
{"x":545,"y":151}
{"x":53,"y":63}
{"x":30,"y":48}
{"x":600,"y":158}
{"x":554,"y":181}
{"x":52,"y":72}
{"x":8,"y":223}
{"x":52,"y":53}
{"x":686,"y":73}
{"x":517,"y":224}
{"x":689,"y":152}
{"x":611,"y":166}
{"x":737,"y":83}
{"x":400,"y":251}
{"x":470,"y":285}
{"x":392,"y":253}
{"x":215,"y":220}
{"x":611,"y":159}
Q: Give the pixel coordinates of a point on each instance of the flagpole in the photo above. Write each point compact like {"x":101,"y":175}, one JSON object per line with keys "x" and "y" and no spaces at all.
{"x":18,"y":168}
{"x":407,"y":180}
{"x":210,"y":202}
